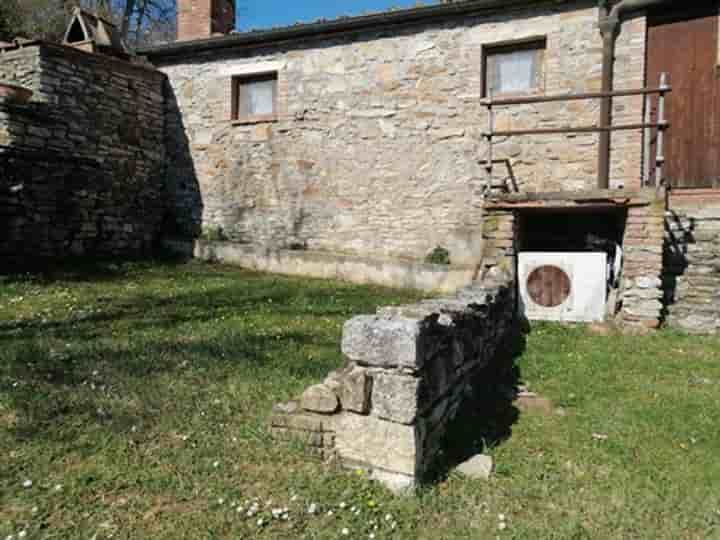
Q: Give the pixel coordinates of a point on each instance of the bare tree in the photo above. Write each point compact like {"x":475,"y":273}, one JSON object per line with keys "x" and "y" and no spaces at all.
{"x":145,"y":22}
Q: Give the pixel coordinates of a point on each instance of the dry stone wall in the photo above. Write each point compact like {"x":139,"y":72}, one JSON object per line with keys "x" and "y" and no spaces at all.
{"x":378,"y":141}
{"x":83,"y":164}
{"x":692,"y":263}
{"x":408,"y":370}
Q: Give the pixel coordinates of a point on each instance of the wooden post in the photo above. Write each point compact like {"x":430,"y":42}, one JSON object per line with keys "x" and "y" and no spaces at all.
{"x":659,"y":155}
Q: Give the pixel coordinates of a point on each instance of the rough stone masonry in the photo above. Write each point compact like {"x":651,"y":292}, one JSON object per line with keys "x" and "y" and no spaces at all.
{"x":377,"y":144}
{"x":81,"y":165}
{"x":408,"y":370}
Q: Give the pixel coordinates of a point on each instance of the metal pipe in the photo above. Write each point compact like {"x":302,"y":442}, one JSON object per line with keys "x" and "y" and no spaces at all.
{"x":660,"y":152}
{"x":608,"y":30}
{"x":609,"y":24}
{"x":647,"y":142}
{"x":491,"y":129}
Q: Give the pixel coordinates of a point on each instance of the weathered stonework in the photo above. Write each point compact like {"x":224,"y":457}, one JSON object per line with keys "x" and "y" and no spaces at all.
{"x":83,"y":163}
{"x":692,"y":262}
{"x":378,"y":143}
{"x":642,"y":268}
{"x":408,"y":371}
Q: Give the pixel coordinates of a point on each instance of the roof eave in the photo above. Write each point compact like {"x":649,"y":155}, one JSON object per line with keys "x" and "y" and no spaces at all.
{"x":377,"y":21}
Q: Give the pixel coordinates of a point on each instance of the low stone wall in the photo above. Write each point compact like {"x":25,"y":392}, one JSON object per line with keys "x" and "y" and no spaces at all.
{"x":397,"y":273}
{"x":408,"y":370}
{"x":692,"y":263}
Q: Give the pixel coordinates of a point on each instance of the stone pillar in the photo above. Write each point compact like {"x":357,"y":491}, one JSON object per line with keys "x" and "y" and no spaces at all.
{"x":642,"y":270}
{"x":408,"y":371}
{"x":500,"y":231}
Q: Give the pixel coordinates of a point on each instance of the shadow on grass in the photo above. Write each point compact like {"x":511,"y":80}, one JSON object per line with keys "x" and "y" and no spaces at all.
{"x":84,"y":269}
{"x":487,"y":414}
{"x":154,"y":335}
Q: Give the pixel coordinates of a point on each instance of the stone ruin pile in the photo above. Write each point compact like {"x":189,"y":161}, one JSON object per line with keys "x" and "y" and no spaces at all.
{"x":408,"y":370}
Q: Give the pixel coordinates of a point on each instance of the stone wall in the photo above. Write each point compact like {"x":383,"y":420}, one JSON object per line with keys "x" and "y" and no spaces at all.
{"x":641,"y":285}
{"x":83,"y":163}
{"x":378,"y":141}
{"x":692,"y":262}
{"x":408,"y":371}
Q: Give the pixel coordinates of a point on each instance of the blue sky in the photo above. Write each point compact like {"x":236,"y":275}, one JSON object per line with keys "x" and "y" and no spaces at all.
{"x":253,"y":14}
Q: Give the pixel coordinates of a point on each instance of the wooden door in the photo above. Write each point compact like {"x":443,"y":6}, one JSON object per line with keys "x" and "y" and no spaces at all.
{"x":683,"y":42}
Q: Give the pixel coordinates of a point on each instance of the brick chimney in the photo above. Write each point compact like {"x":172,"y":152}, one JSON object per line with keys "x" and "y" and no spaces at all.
{"x":199,"y":19}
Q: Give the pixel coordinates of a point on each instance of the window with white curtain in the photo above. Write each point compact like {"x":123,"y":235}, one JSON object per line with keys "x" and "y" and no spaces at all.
{"x":514,"y":68}
{"x":255,"y":97}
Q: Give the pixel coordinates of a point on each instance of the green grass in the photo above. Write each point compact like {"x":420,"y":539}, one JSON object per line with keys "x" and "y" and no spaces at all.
{"x":143,"y":390}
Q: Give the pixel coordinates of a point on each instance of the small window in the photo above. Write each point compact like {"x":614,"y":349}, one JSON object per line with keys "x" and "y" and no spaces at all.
{"x":515,"y":68}
{"x":255,"y":98}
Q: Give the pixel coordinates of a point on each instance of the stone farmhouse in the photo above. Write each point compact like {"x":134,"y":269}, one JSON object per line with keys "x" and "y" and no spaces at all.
{"x":355,"y":147}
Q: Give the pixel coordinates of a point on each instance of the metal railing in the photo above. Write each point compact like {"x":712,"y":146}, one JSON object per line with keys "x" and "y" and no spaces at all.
{"x":647,"y":125}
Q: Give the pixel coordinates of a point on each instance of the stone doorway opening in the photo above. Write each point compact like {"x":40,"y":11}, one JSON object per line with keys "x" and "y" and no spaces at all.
{"x":590,"y":224}
{"x":569,"y":263}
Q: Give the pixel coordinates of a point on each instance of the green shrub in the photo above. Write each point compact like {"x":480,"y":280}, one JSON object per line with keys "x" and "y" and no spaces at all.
{"x":439,"y":255}
{"x":214,"y":234}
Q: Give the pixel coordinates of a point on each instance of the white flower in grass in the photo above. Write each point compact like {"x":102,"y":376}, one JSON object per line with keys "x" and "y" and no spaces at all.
{"x":216,"y":464}
{"x":35,"y":510}
{"x":342,"y":505}
{"x":501,"y":517}
{"x":388,"y":517}
{"x":345,"y":532}
{"x":22,"y":534}
{"x":277,"y":513}
{"x":502,"y":526}
{"x":393,"y":525}
{"x":330,"y":513}
{"x":27,"y":484}
{"x":240,"y":509}
{"x":58,"y":487}
{"x":260,"y":522}
{"x":312,"y":509}
{"x":221,"y":501}
{"x":372,"y":536}
{"x":293,"y":498}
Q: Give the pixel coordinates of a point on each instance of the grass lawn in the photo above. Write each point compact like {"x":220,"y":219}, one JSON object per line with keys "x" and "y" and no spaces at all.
{"x":134,"y":401}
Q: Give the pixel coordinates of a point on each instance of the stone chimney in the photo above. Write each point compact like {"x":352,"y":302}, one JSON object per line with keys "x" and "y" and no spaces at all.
{"x":200,"y":19}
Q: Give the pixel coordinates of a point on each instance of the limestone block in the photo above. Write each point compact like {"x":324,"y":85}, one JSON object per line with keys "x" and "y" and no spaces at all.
{"x":479,"y":467}
{"x":375,"y":341}
{"x":395,"y":397}
{"x":355,"y":391}
{"x":399,"y":484}
{"x":381,"y":444}
{"x":319,"y":398}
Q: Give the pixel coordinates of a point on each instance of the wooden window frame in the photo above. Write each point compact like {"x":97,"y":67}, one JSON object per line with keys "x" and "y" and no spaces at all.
{"x":533,"y":43}
{"x":238,"y":93}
